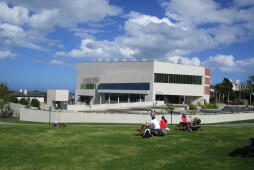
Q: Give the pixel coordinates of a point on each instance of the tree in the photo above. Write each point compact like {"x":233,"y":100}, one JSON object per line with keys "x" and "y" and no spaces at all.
{"x":4,"y":92}
{"x":226,"y":87}
{"x":23,"y":101}
{"x":250,"y":84}
{"x":14,"y":100}
{"x":35,"y":103}
{"x":5,"y":109}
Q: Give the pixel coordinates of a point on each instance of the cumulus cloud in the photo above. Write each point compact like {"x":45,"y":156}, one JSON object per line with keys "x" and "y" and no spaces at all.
{"x":188,"y":26}
{"x":186,"y":61}
{"x":220,"y":62}
{"x":27,"y":23}
{"x":227,"y":63}
{"x":7,"y":54}
{"x":17,"y":15}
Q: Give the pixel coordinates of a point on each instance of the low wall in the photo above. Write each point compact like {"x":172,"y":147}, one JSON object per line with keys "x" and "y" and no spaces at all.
{"x":82,"y":107}
{"x":16,"y":108}
{"x":60,"y":116}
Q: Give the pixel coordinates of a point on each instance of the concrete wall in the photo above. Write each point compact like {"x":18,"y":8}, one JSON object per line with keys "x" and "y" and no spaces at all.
{"x":83,"y":107}
{"x":43,"y":116}
{"x":16,"y":108}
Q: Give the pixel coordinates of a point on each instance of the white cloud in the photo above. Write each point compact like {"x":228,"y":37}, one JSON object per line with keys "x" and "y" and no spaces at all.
{"x":56,"y":62}
{"x":227,"y":63}
{"x":7,"y":54}
{"x":191,"y":26}
{"x":29,"y":22}
{"x":67,"y":13}
{"x":186,"y":61}
{"x":86,"y":49}
{"x":16,"y":15}
{"x":61,"y":63}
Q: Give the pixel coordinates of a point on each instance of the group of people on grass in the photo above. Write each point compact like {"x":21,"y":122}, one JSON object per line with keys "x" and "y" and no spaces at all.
{"x":154,"y":125}
{"x":161,"y":127}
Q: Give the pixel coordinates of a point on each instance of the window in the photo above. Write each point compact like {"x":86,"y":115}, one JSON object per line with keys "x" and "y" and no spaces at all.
{"x":125,"y":86}
{"x":177,"y":78}
{"x":88,"y":86}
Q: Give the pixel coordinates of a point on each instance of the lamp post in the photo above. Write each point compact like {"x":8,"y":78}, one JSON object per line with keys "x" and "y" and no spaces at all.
{"x":171,"y":108}
{"x":49,"y":114}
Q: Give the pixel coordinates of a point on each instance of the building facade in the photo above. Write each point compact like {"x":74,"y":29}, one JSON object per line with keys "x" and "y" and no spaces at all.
{"x":57,"y":99}
{"x":27,"y":95}
{"x":141,"y":81}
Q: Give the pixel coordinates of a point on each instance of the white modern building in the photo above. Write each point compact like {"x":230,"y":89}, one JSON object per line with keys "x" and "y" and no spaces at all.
{"x":141,"y":81}
{"x":57,"y":99}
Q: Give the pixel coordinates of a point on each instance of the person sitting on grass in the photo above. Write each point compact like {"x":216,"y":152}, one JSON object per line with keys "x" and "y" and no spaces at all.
{"x":155,"y":125}
{"x":184,"y":119}
{"x":163,"y":123}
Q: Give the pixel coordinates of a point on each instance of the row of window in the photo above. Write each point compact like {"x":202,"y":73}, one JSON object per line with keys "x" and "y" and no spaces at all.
{"x":124,"y":86}
{"x":88,"y":86}
{"x":177,"y":78}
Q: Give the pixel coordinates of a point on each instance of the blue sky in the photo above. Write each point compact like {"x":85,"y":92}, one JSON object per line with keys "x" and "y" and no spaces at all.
{"x":41,"y":42}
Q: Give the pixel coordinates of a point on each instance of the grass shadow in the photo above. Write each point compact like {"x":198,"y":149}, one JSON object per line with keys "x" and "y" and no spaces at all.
{"x":240,"y":152}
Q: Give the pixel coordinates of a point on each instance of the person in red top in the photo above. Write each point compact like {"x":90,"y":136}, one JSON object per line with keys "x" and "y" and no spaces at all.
{"x":184,"y":119}
{"x":163,"y":123}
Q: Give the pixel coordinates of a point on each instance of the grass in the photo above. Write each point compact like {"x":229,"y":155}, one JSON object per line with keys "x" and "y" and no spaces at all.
{"x":235,"y":122}
{"x":119,"y":147}
{"x":44,"y":123}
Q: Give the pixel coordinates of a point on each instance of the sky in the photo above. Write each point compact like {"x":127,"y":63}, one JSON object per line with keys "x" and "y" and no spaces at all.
{"x":41,"y":41}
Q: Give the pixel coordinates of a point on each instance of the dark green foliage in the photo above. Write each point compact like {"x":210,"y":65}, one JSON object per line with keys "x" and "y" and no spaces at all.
{"x":209,"y":106}
{"x":226,"y":87}
{"x":24,"y":101}
{"x":192,"y":106}
{"x":14,"y":100}
{"x":4,"y":93}
{"x":35,"y":103}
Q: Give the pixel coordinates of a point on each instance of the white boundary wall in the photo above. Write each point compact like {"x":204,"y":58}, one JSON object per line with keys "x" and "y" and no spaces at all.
{"x":68,"y":116}
{"x":83,"y":107}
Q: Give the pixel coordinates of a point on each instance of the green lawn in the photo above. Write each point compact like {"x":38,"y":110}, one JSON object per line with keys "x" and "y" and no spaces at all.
{"x":119,"y":147}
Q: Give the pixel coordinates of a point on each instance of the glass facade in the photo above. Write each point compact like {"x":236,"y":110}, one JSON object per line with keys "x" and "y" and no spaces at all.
{"x":88,"y":86}
{"x":124,"y":86}
{"x":177,"y":78}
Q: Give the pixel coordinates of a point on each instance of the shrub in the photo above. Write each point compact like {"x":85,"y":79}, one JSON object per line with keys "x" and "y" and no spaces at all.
{"x":35,"y":103}
{"x":210,"y":106}
{"x":14,"y":100}
{"x":23,"y":101}
{"x":6,"y":111}
{"x":199,"y":104}
{"x":192,"y":106}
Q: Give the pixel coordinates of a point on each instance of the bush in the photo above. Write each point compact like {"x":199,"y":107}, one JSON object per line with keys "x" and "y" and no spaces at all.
{"x":192,"y":106}
{"x":210,"y":106}
{"x":24,"y":101}
{"x":14,"y":100}
{"x":6,"y":111}
{"x":35,"y":103}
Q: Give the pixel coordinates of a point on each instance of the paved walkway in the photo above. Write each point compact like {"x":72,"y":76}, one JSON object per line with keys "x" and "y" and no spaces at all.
{"x":221,"y":125}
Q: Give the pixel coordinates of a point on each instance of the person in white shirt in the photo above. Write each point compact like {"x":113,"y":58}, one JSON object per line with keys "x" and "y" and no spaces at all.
{"x":155,"y":124}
